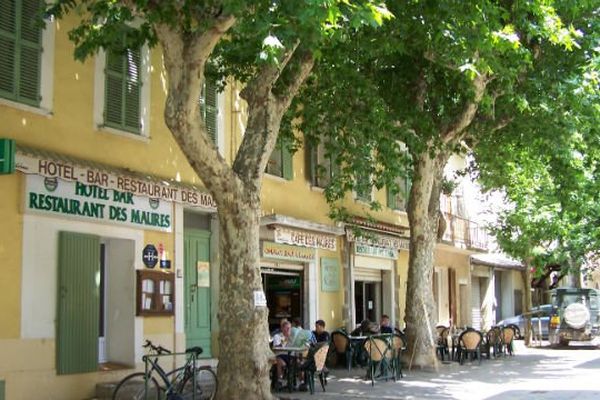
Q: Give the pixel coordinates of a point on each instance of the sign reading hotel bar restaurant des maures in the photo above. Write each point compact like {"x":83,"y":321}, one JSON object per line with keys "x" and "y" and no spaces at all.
{"x":73,"y":190}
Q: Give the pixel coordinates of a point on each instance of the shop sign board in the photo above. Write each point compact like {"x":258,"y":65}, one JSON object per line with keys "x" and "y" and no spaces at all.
{"x":203,"y":270}
{"x":373,"y":239}
{"x":91,"y":202}
{"x":374,"y":251}
{"x":330,"y":274}
{"x":68,"y":171}
{"x":286,"y":252}
{"x":150,"y":256}
{"x":305,"y":238}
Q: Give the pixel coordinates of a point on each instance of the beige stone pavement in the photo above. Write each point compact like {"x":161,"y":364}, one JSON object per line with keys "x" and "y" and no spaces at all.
{"x":532,"y":373}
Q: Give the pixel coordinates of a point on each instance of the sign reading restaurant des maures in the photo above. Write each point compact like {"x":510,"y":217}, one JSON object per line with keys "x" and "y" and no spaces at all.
{"x":78,"y":200}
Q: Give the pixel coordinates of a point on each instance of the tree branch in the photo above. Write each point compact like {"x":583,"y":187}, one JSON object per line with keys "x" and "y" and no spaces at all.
{"x":184,"y":59}
{"x":265,"y":112}
{"x":466,"y":116}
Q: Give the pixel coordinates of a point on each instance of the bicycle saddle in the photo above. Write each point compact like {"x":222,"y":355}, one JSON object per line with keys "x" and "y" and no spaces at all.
{"x":197,"y":350}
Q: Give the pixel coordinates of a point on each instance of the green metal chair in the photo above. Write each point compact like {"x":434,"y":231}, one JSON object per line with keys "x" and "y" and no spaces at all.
{"x":341,"y":344}
{"x":315,"y":364}
{"x":381,"y":357}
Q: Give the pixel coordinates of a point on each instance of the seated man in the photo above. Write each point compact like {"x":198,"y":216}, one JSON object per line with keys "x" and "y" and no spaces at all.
{"x":282,"y":339}
{"x":385,"y":326}
{"x":320,"y":334}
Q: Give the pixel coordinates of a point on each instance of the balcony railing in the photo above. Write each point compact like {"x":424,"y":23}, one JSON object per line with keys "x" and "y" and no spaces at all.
{"x":464,"y":233}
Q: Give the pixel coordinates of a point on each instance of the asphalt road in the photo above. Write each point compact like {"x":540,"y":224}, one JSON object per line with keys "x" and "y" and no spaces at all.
{"x":532,"y":373}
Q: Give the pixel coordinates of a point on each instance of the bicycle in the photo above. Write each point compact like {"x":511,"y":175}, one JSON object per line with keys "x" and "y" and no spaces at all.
{"x":177,"y":384}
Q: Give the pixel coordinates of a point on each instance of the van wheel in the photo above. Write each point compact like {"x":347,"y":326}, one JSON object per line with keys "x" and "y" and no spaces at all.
{"x":563,"y":343}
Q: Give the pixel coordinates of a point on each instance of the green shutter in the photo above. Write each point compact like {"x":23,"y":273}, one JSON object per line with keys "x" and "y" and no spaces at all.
{"x":391,"y":199}
{"x":287,"y":165}
{"x":78,"y":301}
{"x":20,"y":51}
{"x":2,"y":390}
{"x":311,"y":163}
{"x":209,"y":108}
{"x":122,"y":95}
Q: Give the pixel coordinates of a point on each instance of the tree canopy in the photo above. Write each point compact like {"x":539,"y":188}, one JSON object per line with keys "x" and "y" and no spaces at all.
{"x":441,"y":77}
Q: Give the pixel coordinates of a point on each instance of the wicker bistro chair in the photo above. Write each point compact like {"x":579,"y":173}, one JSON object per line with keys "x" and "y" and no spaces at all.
{"x":492,"y":342}
{"x":341,"y":344}
{"x":442,"y":342}
{"x":315,"y":364}
{"x":398,"y":345}
{"x":381,"y":357}
{"x":507,"y":337}
{"x":469,"y":343}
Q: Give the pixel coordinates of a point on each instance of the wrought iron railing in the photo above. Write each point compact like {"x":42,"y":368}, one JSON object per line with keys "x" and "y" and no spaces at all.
{"x":464,"y":233}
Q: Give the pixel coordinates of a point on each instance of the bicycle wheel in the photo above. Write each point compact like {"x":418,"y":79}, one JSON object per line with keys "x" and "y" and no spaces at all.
{"x":206,"y":385}
{"x":132,"y":387}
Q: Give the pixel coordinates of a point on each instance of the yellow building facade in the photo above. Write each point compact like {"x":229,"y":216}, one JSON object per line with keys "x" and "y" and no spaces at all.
{"x":109,"y":238}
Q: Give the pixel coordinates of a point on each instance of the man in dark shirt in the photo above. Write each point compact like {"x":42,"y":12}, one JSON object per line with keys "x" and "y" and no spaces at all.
{"x":321,"y":335}
{"x":385,"y":326}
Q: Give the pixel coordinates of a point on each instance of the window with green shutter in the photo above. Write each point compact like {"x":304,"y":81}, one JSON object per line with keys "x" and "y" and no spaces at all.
{"x":20,"y":51}
{"x":280,"y":163}
{"x":363,"y":187}
{"x":322,"y":166}
{"x":397,"y":197}
{"x":209,"y":108}
{"x":122,"y":87}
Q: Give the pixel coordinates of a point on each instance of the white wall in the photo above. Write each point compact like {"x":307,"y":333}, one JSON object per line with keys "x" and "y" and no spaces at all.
{"x":120,"y":300}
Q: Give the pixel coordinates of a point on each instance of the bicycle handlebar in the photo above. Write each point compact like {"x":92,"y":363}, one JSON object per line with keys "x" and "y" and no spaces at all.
{"x":158,"y":349}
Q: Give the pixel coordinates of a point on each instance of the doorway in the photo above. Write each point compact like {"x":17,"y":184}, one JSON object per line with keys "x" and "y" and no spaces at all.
{"x":197,"y":292}
{"x":367,"y":300}
{"x":285,"y":294}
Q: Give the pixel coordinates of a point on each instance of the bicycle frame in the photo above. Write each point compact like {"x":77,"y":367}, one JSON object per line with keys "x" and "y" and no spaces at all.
{"x":151,"y":365}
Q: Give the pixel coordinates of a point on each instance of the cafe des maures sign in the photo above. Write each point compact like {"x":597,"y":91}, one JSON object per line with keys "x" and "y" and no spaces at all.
{"x":305,"y":238}
{"x":89,"y":202}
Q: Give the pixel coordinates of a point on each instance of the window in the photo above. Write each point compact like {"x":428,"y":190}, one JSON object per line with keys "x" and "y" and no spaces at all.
{"x":20,"y":51}
{"x":209,"y":108}
{"x":322,"y":167}
{"x":363,"y":188}
{"x":397,"y":197}
{"x":123,"y":90}
{"x":280,"y":162}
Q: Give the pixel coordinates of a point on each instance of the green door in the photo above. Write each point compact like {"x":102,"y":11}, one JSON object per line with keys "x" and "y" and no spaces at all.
{"x":197,"y":289}
{"x":78,"y":310}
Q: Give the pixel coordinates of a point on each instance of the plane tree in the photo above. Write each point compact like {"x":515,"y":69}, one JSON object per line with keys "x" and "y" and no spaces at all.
{"x":268,"y":46}
{"x":442,"y":76}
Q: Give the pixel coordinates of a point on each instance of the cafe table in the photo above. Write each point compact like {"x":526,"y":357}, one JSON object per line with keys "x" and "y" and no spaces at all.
{"x":293,"y":354}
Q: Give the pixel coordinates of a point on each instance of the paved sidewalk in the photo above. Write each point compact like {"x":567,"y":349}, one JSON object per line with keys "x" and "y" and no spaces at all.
{"x":534,"y":373}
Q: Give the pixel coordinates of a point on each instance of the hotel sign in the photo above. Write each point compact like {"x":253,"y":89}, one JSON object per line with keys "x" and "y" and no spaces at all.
{"x":113,"y":181}
{"x":90,"y":202}
{"x":373,"y":239}
{"x":305,"y":239}
{"x":285,"y":252}
{"x":374,"y":251}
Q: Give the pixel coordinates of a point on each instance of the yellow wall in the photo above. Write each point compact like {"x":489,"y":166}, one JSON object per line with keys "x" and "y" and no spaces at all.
{"x":70,"y":127}
{"x":330,"y":303}
{"x":10,"y":253}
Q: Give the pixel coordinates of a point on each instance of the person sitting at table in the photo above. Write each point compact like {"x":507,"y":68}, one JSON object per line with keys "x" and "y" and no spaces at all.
{"x":320,"y":334}
{"x":282,"y":339}
{"x":366,"y":328}
{"x":384,"y":326}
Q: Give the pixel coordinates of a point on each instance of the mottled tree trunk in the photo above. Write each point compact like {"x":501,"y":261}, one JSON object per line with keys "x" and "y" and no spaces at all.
{"x":243,"y":330}
{"x":423,"y":214}
{"x":526,"y":276}
{"x":574,"y":274}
